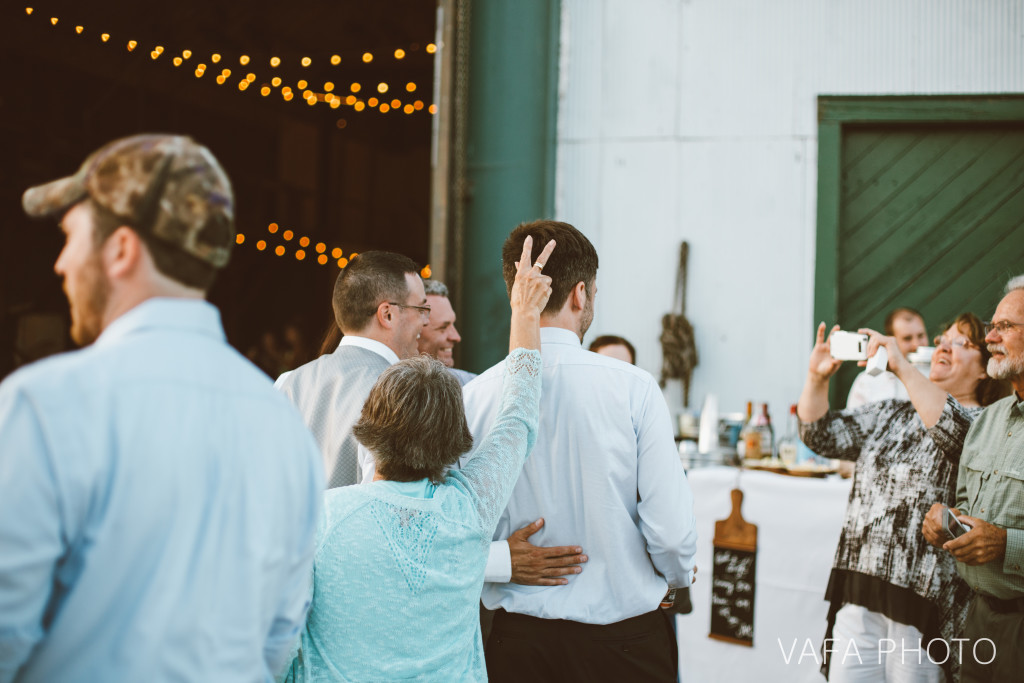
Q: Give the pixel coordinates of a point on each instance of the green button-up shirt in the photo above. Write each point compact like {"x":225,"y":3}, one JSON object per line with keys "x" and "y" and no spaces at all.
{"x":990,"y":486}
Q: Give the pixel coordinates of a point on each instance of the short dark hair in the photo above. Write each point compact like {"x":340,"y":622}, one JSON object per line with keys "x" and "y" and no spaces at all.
{"x":414,"y":421}
{"x":573,"y":261}
{"x":901,"y":312}
{"x":369,"y":279}
{"x":169,"y":259}
{"x":989,"y":390}
{"x":612,"y":340}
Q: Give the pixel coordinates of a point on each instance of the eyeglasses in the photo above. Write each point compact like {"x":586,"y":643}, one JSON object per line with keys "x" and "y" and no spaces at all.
{"x":962,"y":342}
{"x":424,"y":310}
{"x":1002,"y":327}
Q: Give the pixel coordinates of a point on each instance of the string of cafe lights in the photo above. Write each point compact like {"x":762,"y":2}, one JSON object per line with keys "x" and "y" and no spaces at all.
{"x":377,"y":101}
{"x":323,"y":255}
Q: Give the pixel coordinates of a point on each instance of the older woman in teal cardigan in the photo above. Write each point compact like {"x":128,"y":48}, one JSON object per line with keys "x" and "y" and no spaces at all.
{"x":400,"y":562}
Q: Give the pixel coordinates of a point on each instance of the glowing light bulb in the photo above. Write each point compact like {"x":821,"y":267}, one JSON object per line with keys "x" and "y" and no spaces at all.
{"x":239,"y":238}
{"x":215,"y":58}
{"x":131,"y":45}
{"x":279,"y":250}
{"x":79,"y":29}
{"x":243,"y":60}
{"x":432,"y":109}
{"x":201,"y":67}
{"x":350,"y":100}
{"x":159,"y":49}
{"x":272,"y":228}
{"x":336,"y":253}
{"x":306,"y":61}
{"x":275,"y":81}
{"x":261,"y":245}
{"x":301,"y":85}
{"x":177,"y":61}
{"x":300,"y":254}
{"x":322,"y":259}
{"x":431,"y":48}
{"x":382,"y":88}
{"x":372,"y":102}
{"x":242,"y":85}
{"x":104,"y":37}
{"x":328,"y":87}
{"x":287,"y":96}
{"x":367,"y":57}
{"x":417,"y":105}
{"x":321,"y":247}
{"x":306,"y":94}
{"x":275,"y":61}
{"x":186,"y":54}
{"x":28,"y":10}
{"x":303,"y":241}
{"x":359,"y":106}
{"x":225,"y":73}
{"x":250,"y":77}
{"x":410,"y":87}
{"x":399,"y":53}
{"x":384,"y":108}
{"x":335,"y":60}
{"x":287,"y":235}
{"x":342,"y":262}
{"x":286,"y":89}
{"x":335,"y":103}
{"x":408,"y":109}
{"x":311,"y":100}
{"x":425,"y":273}
{"x":199,"y":73}
{"x":355,"y":87}
{"x":221,"y":79}
{"x":54,"y":20}
{"x":154,"y":54}
{"x":352,"y":256}
{"x":265,"y":90}
{"x":396,"y":104}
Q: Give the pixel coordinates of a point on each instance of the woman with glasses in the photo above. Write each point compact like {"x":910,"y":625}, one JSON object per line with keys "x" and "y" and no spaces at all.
{"x":888,"y":585}
{"x":399,"y":564}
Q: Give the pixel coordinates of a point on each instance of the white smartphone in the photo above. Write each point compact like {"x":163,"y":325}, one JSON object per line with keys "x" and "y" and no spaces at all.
{"x":848,"y":345}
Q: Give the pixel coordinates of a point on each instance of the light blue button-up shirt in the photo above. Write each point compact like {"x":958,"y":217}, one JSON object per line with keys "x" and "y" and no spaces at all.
{"x":158,"y":505}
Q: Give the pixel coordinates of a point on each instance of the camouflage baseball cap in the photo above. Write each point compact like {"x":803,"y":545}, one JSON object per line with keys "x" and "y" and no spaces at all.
{"x":166,"y":185}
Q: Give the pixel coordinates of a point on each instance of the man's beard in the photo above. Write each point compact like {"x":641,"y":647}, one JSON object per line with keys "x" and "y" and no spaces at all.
{"x":92,"y":294}
{"x":1007,"y":368}
{"x":588,"y":315}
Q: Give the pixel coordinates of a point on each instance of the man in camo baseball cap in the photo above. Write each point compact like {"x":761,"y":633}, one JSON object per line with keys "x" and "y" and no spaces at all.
{"x":166,"y":186}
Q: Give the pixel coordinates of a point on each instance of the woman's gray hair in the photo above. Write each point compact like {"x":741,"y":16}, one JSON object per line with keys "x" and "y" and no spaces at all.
{"x":414,"y":421}
{"x":1014,"y":284}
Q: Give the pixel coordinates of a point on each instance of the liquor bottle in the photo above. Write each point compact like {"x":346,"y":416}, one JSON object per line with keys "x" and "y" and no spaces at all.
{"x":789,"y":444}
{"x":763,"y":423}
{"x":748,"y":425}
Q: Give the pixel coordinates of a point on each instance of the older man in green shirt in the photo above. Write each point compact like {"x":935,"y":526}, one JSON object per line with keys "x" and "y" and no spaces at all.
{"x":990,"y":500}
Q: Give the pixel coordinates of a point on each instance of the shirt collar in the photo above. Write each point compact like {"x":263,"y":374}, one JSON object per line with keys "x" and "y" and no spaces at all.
{"x":193,"y":315}
{"x":559,"y":335}
{"x":382,"y":350}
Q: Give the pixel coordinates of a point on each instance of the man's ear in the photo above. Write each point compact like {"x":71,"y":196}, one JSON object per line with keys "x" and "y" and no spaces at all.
{"x":579,"y":296}
{"x":385,"y":312}
{"x":122,"y":253}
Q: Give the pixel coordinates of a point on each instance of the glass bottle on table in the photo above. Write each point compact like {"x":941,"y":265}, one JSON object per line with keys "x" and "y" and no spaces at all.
{"x":763,"y":423}
{"x":789,"y":444}
{"x":748,"y":425}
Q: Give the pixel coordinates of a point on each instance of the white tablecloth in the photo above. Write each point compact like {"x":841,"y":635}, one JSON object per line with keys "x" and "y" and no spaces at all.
{"x":798,"y":523}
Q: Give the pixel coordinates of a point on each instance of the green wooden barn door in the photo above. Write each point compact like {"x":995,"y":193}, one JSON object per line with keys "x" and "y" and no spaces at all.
{"x":930,"y":216}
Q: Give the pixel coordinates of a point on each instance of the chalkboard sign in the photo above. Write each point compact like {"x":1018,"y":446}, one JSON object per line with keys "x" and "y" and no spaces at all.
{"x":732,"y":595}
{"x":733,"y":573}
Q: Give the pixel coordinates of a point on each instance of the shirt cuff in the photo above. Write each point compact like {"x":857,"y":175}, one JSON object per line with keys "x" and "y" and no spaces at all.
{"x":499,"y":563}
{"x":1014,"y":562}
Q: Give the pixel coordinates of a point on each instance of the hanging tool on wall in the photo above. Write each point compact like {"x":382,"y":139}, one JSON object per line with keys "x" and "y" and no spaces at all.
{"x":678,"y":344}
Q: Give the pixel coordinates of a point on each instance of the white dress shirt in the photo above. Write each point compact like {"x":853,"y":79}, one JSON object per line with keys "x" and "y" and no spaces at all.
{"x":606,"y":476}
{"x":867,"y":389}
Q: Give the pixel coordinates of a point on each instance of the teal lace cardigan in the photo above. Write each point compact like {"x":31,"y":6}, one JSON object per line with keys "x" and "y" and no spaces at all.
{"x":399,"y":566}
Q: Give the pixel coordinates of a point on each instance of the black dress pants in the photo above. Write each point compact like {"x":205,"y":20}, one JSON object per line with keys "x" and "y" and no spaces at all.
{"x":523,"y":648}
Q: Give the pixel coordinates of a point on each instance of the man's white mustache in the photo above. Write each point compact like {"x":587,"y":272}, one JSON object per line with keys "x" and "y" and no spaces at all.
{"x":997,"y":348}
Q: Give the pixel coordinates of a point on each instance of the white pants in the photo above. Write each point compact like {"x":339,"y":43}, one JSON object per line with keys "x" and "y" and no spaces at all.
{"x":869,"y":647}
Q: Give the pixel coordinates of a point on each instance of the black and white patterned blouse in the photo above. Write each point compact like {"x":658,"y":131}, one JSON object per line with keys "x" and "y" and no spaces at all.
{"x":883,"y":562}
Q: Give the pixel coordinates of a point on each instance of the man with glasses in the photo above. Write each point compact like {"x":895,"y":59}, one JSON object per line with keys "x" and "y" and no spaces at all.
{"x":990,"y":502}
{"x":381,"y":308}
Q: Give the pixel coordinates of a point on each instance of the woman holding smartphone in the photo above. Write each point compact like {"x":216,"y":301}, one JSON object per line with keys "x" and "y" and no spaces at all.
{"x":887,"y":583}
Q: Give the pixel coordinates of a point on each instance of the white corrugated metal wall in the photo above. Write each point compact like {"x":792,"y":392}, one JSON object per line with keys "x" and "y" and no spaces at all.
{"x":697,"y":120}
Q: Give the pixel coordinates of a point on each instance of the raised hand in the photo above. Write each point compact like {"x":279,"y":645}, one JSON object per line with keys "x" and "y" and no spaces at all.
{"x":875,"y":340}
{"x":531,"y":289}
{"x":530,"y":293}
{"x":822,"y":365}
